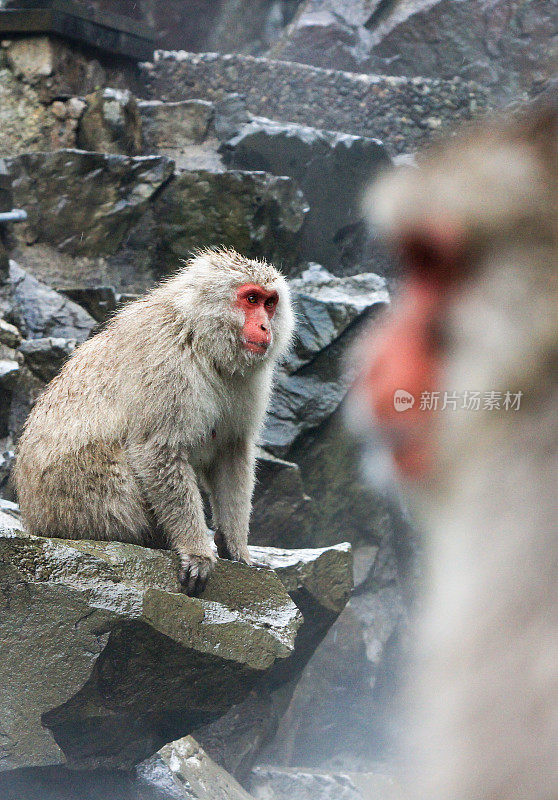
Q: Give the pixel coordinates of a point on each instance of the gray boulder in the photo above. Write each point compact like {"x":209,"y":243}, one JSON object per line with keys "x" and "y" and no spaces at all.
{"x":52,"y":325}
{"x":275,"y":783}
{"x":111,"y":123}
{"x":330,"y":34}
{"x":282,"y":512}
{"x":256,"y":213}
{"x":505,"y":45}
{"x":508,"y":45}
{"x":332,"y":170}
{"x":107,"y":661}
{"x":319,"y":581}
{"x":39,"y":311}
{"x":172,"y":125}
{"x":45,"y":357}
{"x":83,"y":203}
{"x":179,"y":771}
{"x":202,"y":778}
{"x":313,"y":382}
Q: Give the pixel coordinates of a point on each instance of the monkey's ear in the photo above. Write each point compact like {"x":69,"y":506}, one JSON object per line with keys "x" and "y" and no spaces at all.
{"x":434,"y":249}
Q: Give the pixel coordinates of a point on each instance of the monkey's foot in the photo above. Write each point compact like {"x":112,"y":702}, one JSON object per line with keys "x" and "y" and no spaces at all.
{"x":194,"y":573}
{"x":223,"y":550}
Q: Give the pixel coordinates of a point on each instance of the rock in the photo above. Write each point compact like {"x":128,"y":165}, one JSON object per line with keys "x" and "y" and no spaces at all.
{"x":235,"y":740}
{"x":151,"y":780}
{"x":323,"y":575}
{"x":24,"y":121}
{"x":31,"y":58}
{"x":121,"y":661}
{"x":231,"y":115}
{"x":40,"y":312}
{"x":332,"y":170}
{"x":257,"y":214}
{"x":509,"y":45}
{"x":6,"y":464}
{"x":28,"y":124}
{"x":174,"y":125}
{"x":52,"y":325}
{"x":45,"y":357}
{"x":246,"y":25}
{"x":391,"y":109}
{"x":312,"y":384}
{"x":111,"y":123}
{"x":181,"y":131}
{"x":9,"y":334}
{"x":275,"y":783}
{"x":114,"y":613}
{"x":342,"y":713}
{"x":202,"y":777}
{"x":59,"y":68}
{"x":281,"y":510}
{"x":502,"y":44}
{"x":8,"y":374}
{"x":99,"y":301}
{"x":83,"y":203}
{"x":319,"y":581}
{"x":329,"y":34}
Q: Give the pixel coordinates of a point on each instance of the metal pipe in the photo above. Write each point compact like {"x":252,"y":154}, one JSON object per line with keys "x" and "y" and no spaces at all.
{"x":15,"y":215}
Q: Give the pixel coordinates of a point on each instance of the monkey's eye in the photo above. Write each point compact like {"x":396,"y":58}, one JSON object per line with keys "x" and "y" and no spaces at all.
{"x":270,"y":302}
{"x":252,"y":298}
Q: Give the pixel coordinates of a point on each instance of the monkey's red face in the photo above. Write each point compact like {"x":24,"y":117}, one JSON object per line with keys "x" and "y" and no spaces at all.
{"x":405,"y":356}
{"x":258,"y":306}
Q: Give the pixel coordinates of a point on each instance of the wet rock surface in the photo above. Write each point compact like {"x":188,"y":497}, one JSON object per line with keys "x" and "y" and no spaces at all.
{"x":314,"y":381}
{"x":256,"y":213}
{"x":147,"y":663}
{"x":331,"y":169}
{"x":507,"y":45}
{"x":274,"y":783}
{"x":38,"y":311}
{"x":198,"y":774}
{"x":179,"y":771}
{"x":401,"y":112}
{"x":84,"y":203}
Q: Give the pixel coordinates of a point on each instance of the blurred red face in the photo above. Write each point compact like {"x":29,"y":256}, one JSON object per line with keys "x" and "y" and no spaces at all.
{"x":405,"y":356}
{"x":258,"y":306}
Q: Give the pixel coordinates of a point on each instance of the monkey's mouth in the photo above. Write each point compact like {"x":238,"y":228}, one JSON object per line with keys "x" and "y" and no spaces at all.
{"x":256,"y":347}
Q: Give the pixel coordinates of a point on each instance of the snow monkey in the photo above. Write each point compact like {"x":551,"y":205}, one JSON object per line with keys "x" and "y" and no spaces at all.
{"x":169,"y":397}
{"x":476,"y":226}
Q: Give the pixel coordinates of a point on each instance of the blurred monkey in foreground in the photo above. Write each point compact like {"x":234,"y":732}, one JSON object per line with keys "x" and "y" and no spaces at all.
{"x":169,"y":397}
{"x":476,"y":320}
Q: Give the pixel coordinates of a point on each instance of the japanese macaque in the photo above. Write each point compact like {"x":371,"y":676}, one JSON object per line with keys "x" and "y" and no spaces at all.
{"x":169,"y":397}
{"x":476,"y":320}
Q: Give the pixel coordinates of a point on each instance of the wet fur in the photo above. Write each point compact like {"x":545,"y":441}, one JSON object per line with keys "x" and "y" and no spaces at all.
{"x":164,"y":399}
{"x":484,"y":693}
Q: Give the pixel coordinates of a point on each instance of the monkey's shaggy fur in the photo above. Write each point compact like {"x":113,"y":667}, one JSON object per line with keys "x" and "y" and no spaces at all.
{"x":485,"y":682}
{"x":164,"y":397}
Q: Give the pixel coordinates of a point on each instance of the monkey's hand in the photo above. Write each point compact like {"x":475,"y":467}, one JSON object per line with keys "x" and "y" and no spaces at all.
{"x":194,"y":572}
{"x":224,"y":551}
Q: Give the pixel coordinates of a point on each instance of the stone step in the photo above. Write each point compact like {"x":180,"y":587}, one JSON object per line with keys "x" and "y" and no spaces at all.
{"x":402,"y":112}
